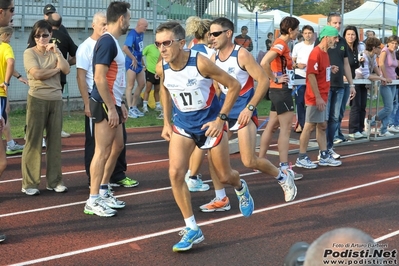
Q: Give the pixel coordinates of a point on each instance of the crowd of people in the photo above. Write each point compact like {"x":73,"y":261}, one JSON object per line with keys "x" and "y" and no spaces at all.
{"x":207,"y":91}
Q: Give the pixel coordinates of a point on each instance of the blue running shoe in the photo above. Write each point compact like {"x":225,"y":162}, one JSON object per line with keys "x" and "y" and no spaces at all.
{"x":189,"y":238}
{"x":246,"y":202}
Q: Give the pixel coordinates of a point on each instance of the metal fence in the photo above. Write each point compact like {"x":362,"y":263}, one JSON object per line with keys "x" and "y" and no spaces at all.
{"x":77,"y":17}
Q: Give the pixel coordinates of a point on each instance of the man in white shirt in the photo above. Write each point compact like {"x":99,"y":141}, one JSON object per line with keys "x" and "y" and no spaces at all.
{"x":300,"y":56}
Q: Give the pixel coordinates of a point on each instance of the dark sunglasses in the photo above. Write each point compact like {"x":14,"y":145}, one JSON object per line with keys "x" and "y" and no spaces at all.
{"x":217,"y":33}
{"x":12,"y":9}
{"x":166,"y":43}
{"x":44,"y":36}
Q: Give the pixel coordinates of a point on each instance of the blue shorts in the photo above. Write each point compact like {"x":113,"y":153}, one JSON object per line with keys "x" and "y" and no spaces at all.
{"x":203,"y":142}
{"x":3,"y":103}
{"x":138,"y":69}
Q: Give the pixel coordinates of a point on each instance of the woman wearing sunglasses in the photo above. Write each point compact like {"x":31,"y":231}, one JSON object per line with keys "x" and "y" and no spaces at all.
{"x":43,"y":64}
{"x":276,"y":63}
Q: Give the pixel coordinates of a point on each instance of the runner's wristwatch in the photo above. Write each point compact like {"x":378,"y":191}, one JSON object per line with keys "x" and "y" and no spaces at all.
{"x":251,"y":107}
{"x":223,"y":117}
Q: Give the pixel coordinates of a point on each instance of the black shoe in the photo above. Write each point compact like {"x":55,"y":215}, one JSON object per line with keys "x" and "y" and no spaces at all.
{"x":2,"y":238}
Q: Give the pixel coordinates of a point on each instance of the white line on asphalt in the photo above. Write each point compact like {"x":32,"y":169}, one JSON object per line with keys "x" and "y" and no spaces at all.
{"x":231,"y":217}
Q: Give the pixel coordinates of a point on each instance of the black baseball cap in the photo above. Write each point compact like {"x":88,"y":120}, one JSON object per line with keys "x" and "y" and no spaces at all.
{"x":48,"y":9}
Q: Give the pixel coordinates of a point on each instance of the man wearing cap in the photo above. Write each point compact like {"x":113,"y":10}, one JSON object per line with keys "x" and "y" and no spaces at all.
{"x":244,"y":40}
{"x":6,"y":14}
{"x":318,"y":74}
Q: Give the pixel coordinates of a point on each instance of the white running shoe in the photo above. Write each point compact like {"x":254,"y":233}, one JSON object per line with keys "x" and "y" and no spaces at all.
{"x":112,"y":202}
{"x":98,"y":208}
{"x":288,"y":185}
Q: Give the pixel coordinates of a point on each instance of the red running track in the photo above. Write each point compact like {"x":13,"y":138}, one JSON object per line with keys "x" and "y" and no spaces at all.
{"x":51,"y":229}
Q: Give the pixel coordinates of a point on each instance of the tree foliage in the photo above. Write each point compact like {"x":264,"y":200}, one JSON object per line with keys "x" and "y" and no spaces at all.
{"x":301,"y":7}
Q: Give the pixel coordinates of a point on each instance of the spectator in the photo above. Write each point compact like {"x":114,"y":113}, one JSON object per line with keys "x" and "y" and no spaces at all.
{"x":108,"y":110}
{"x":300,"y":55}
{"x":388,"y":63}
{"x":6,"y":14}
{"x":369,"y":34}
{"x":394,"y":117}
{"x":67,"y":47}
{"x":244,"y":40}
{"x":7,"y":62}
{"x":368,"y":70}
{"x":43,"y":64}
{"x":151,"y":54}
{"x":359,"y":102}
{"x":85,"y":80}
{"x":338,"y":95}
{"x":133,"y":48}
{"x":316,"y":96}
{"x":269,"y":41}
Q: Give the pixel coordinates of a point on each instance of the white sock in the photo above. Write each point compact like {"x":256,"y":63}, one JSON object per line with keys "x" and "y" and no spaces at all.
{"x":157,"y":104}
{"x":281,"y":177}
{"x":93,"y":198}
{"x":103,"y":189}
{"x":220,"y":193}
{"x":191,"y":223}
{"x":145,"y":103}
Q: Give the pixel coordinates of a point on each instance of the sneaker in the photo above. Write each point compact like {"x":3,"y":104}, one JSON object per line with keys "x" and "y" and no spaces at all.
{"x":160,"y":116}
{"x":65,"y":134}
{"x":305,"y":163}
{"x":386,"y":134}
{"x":59,"y":188}
{"x":393,"y":129}
{"x":30,"y":191}
{"x":332,"y":153}
{"x":195,"y":185}
{"x":99,"y":208}
{"x":356,"y":135}
{"x":17,"y":148}
{"x":126,"y":182}
{"x":337,"y":141}
{"x":145,"y":109}
{"x":44,"y":143}
{"x":329,"y":161}
{"x":137,"y":112}
{"x":297,"y":175}
{"x":189,"y":238}
{"x":131,"y":114}
{"x":216,"y":205}
{"x":158,"y":108}
{"x":2,"y":237}
{"x":245,"y":200}
{"x":112,"y":202}
{"x":288,"y":185}
{"x":364,"y":134}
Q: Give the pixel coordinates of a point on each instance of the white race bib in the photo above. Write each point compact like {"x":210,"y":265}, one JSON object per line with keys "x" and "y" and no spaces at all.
{"x":187,"y":101}
{"x":328,"y":73}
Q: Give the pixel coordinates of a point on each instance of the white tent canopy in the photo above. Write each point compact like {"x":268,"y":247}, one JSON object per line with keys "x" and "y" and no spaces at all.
{"x":370,"y":15}
{"x":218,"y":7}
{"x":278,"y":15}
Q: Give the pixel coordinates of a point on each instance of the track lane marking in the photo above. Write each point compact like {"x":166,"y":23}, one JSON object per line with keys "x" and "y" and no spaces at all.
{"x":231,"y":217}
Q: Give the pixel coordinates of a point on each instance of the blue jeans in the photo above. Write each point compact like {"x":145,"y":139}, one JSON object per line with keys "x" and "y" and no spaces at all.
{"x":394,"y":117}
{"x":387,"y":92}
{"x":334,"y":104}
{"x":299,"y":94}
{"x":338,"y":133}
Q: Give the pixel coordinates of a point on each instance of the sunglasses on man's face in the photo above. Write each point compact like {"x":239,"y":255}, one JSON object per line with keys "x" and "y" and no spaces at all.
{"x":166,"y":43}
{"x":12,"y":9}
{"x":44,"y":36}
{"x":217,"y":33}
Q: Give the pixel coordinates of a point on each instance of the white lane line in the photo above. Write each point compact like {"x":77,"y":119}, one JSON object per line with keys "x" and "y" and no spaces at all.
{"x":82,"y":149}
{"x":231,"y":217}
{"x":164,"y":160}
{"x":381,"y":238}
